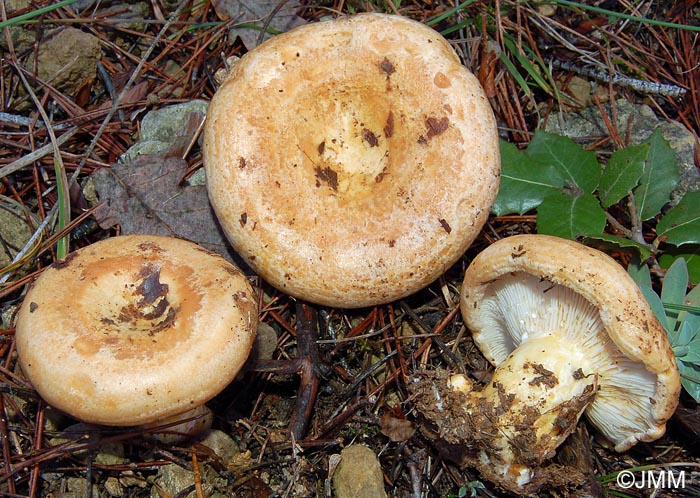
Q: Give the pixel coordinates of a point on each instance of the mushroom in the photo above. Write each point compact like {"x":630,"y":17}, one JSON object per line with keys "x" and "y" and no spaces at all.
{"x":135,"y":330}
{"x":351,"y":162}
{"x":569,"y":333}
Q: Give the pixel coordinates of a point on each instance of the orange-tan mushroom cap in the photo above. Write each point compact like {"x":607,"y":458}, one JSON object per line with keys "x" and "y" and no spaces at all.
{"x":133,"y":329}
{"x":351,"y":162}
{"x":637,"y":373}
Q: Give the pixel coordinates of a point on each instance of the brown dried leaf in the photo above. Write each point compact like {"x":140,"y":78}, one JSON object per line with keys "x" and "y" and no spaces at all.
{"x":145,"y":196}
{"x":134,"y":94}
{"x":257,"y":12}
{"x":396,"y":428}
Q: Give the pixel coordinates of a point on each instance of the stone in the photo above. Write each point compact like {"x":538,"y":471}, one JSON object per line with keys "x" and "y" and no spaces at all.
{"x":173,"y":480}
{"x":163,"y":124}
{"x":14,"y":230}
{"x":265,"y":342}
{"x":67,"y":60}
{"x":359,"y":474}
{"x":20,"y":35}
{"x":222,"y":445}
{"x":160,"y":127}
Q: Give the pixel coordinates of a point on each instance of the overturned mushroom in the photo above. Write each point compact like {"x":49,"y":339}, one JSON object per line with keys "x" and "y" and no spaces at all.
{"x":135,"y":330}
{"x":351,"y":162}
{"x":569,"y":333}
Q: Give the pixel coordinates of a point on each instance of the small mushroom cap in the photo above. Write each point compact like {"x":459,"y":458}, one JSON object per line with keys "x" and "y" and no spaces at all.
{"x":351,"y":162}
{"x":639,"y":390}
{"x":133,"y":329}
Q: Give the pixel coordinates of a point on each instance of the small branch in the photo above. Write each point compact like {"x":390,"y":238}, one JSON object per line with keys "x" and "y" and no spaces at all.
{"x":308,"y":364}
{"x":637,"y":234}
{"x":619,"y":227}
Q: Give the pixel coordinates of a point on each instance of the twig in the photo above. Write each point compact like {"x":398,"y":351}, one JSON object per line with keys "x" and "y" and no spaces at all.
{"x":310,"y":361}
{"x":197,"y":476}
{"x":24,"y":161}
{"x":308,"y":364}
{"x":115,"y":104}
{"x":63,"y":204}
{"x":25,"y":121}
{"x":620,"y":15}
{"x":641,"y":86}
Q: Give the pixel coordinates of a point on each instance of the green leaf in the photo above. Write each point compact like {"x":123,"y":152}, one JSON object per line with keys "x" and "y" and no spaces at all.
{"x":573,"y":163}
{"x":674,"y":287}
{"x":692,"y":318}
{"x":622,"y":173}
{"x":567,"y":216}
{"x":525,"y":63}
{"x":690,"y":378}
{"x":514,"y":73}
{"x":680,"y":350}
{"x":692,"y":356}
{"x":689,"y":252}
{"x":657,"y":307}
{"x":524,"y":183}
{"x":681,"y":225}
{"x":640,"y":274}
{"x":685,"y":336}
{"x":617,"y":242}
{"x":659,"y":179}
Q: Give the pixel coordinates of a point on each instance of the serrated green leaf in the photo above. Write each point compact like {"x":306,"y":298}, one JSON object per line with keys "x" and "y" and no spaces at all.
{"x":622,"y":173}
{"x":689,"y":252}
{"x":659,"y":179}
{"x":673,"y":290}
{"x":617,"y":242}
{"x":569,"y":217}
{"x":681,"y":225}
{"x":573,"y":163}
{"x":524,"y":183}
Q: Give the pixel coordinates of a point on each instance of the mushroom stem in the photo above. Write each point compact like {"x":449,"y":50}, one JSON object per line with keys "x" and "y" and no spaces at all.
{"x":182,"y":426}
{"x":531,"y":405}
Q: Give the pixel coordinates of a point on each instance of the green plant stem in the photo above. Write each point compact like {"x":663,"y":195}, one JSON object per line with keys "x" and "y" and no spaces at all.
{"x":35,"y":13}
{"x":450,"y":12}
{"x":629,"y":17}
{"x":682,"y":307}
{"x":62,"y":246}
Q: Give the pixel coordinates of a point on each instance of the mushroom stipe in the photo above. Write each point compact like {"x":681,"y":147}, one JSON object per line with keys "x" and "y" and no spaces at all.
{"x":135,"y":329}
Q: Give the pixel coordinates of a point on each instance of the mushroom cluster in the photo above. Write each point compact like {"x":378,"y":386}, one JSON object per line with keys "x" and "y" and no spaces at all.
{"x":569,"y":333}
{"x":135,"y":329}
{"x":352,"y":161}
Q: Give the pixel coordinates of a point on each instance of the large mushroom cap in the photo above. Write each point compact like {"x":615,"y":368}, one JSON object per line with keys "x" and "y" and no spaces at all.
{"x":527,"y":286}
{"x":351,"y":162}
{"x":134,"y":329}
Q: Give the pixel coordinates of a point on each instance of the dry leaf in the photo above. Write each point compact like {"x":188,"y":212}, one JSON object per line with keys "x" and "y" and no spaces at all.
{"x":145,"y":196}
{"x":396,"y":428}
{"x":258,"y":12}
